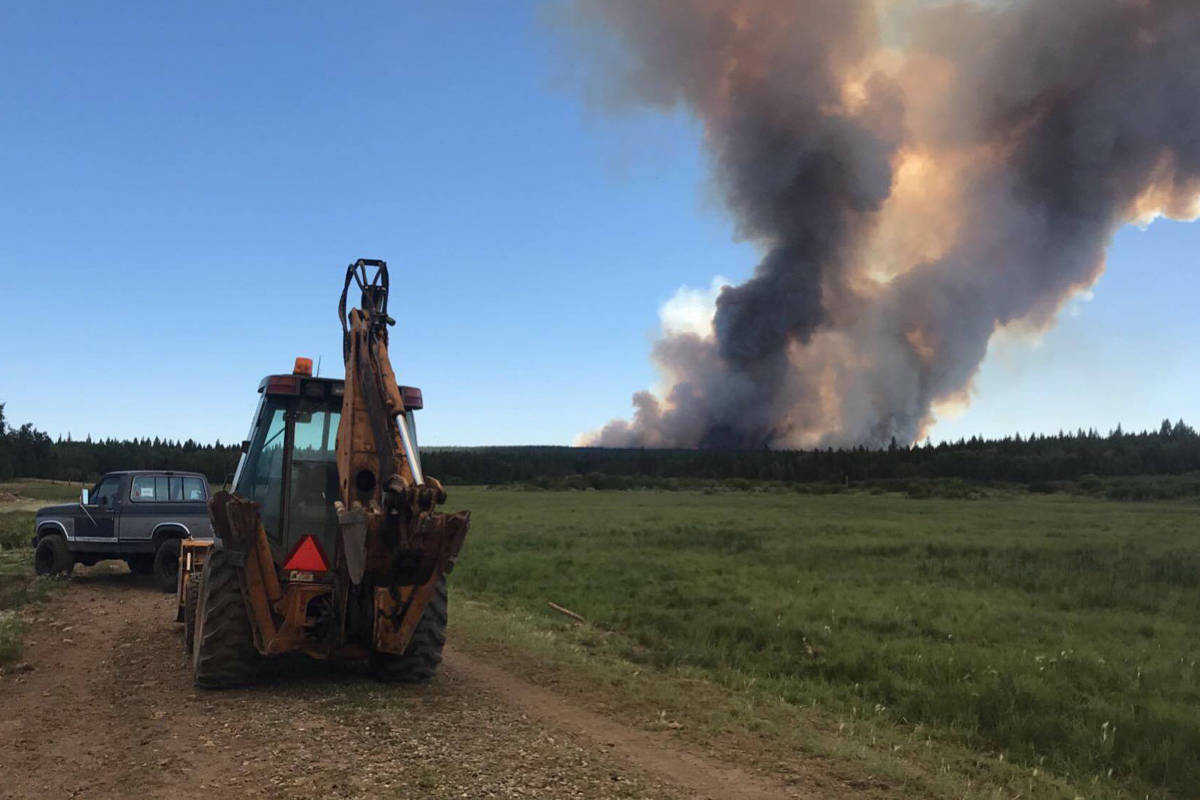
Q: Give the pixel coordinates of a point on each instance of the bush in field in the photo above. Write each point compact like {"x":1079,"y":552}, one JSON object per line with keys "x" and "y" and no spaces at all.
{"x":1145,"y":487}
{"x":819,"y":488}
{"x":953,"y":489}
{"x":16,"y":529}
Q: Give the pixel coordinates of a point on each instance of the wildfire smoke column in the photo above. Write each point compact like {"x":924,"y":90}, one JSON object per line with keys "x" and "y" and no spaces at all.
{"x":917,"y":176}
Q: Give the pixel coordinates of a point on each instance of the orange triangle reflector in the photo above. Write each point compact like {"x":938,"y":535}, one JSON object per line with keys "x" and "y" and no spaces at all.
{"x":307,"y":557}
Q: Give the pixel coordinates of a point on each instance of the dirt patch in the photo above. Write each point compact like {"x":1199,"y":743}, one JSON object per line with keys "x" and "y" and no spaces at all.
{"x":108,"y":711}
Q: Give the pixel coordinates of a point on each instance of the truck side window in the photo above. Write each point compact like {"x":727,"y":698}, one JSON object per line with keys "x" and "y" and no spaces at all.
{"x":176,"y":490}
{"x":193,"y":489}
{"x":143,"y":489}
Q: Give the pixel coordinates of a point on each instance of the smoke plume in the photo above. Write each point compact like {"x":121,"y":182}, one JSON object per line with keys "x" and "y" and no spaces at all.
{"x":916,"y":175}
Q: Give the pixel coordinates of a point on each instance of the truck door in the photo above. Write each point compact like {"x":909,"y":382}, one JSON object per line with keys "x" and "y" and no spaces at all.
{"x":98,"y":522}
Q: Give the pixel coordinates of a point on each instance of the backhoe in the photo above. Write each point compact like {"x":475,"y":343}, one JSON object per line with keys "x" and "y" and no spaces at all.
{"x":330,"y":542}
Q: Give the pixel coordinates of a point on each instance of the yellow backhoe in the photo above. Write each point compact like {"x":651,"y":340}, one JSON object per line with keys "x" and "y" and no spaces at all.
{"x":330,"y":542}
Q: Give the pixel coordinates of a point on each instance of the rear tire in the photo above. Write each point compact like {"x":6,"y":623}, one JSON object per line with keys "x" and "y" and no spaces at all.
{"x":191,"y":599}
{"x":51,"y":558}
{"x":420,"y":661}
{"x":166,"y":565}
{"x":224,"y":656}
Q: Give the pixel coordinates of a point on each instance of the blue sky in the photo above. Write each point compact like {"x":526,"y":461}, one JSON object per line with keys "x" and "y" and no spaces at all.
{"x":184,"y":183}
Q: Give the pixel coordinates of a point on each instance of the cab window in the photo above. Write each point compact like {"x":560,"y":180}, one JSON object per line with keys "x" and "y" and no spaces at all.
{"x":143,"y":489}
{"x":262,"y":472}
{"x":193,"y":489}
{"x":314,"y":478}
{"x":105,"y":492}
{"x":166,"y":489}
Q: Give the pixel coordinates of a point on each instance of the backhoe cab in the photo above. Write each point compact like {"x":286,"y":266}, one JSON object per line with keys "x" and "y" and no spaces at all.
{"x":330,"y":543}
{"x":289,"y":463}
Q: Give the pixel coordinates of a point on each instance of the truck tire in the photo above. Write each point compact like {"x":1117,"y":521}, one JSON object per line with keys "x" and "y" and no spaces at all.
{"x":191,"y":599}
{"x":420,"y":661}
{"x":166,"y":565}
{"x":224,"y":656}
{"x":51,"y":557}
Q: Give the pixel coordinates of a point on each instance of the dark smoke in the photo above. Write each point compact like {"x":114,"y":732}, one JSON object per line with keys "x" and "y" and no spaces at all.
{"x":916,"y":181}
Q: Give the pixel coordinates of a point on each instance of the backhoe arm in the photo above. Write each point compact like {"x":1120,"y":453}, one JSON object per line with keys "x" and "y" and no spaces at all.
{"x":391,"y":537}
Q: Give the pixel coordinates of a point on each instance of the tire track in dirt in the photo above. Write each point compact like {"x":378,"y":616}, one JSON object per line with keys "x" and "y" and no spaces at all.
{"x":699,"y":775}
{"x":109,"y":712}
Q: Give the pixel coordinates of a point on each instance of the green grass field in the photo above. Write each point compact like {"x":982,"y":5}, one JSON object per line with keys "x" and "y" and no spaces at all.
{"x":1057,"y":635}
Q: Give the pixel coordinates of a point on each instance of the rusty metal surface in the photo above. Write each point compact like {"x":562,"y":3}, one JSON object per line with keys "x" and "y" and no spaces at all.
{"x":408,"y":543}
{"x":353,"y":528}
{"x":293,"y":633}
{"x":192,"y":555}
{"x":397,"y":612}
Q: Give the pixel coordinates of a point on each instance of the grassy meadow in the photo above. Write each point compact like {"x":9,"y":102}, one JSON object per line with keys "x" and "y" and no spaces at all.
{"x":1057,"y":636}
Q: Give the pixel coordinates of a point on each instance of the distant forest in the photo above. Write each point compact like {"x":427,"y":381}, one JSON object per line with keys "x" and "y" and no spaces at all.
{"x":26,"y":452}
{"x":1172,"y":449}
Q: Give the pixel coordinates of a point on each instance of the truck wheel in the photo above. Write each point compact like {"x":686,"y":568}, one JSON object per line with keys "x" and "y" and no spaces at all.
{"x":224,"y":655}
{"x":166,"y":565}
{"x":52,"y":556}
{"x":420,"y":661}
{"x":191,"y":599}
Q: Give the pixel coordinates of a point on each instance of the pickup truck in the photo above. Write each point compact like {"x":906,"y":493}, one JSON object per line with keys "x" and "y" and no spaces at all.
{"x":137,"y":516}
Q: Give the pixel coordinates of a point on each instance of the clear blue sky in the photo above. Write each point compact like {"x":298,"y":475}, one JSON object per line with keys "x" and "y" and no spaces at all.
{"x":183,"y":184}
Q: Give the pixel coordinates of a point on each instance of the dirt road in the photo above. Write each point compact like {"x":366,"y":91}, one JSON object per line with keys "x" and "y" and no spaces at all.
{"x":107,"y":710}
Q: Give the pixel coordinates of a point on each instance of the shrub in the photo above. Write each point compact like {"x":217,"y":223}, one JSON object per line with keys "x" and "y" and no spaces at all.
{"x":16,"y":529}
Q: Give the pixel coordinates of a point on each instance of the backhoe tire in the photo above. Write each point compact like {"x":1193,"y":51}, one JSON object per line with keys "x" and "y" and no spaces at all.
{"x":166,"y":565}
{"x":223,"y":655}
{"x":191,"y":599}
{"x":51,"y":558}
{"x":424,"y":654}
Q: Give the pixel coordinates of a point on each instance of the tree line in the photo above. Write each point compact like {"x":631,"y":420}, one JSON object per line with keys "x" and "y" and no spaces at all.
{"x":1172,"y":449}
{"x":26,"y":452}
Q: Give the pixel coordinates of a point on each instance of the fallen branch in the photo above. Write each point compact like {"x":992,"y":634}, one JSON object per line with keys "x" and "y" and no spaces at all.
{"x":567,"y":612}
